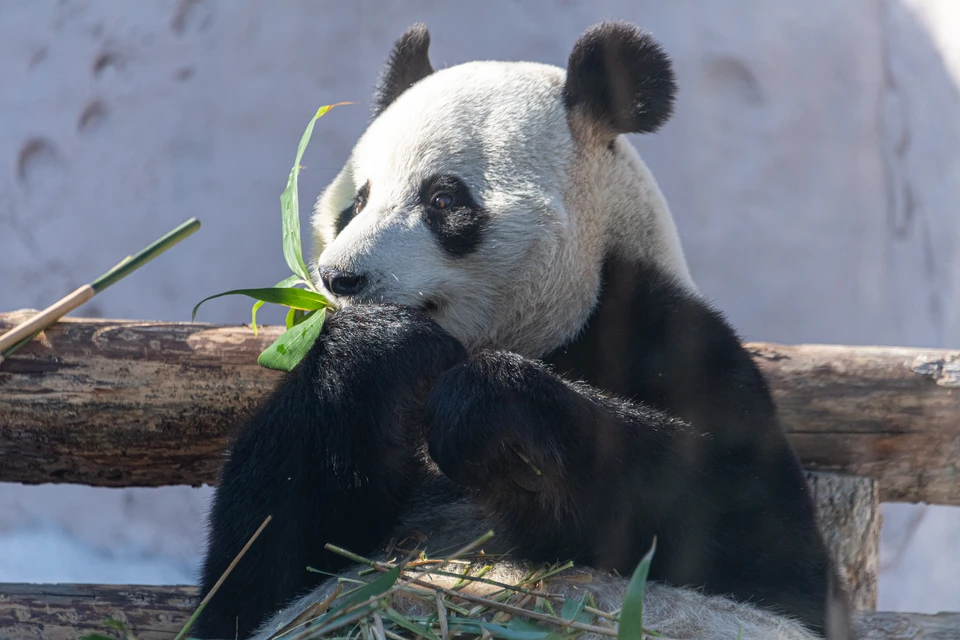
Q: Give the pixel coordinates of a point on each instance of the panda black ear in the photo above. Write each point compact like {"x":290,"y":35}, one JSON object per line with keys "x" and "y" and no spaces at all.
{"x":620,"y":78}
{"x":408,"y":63}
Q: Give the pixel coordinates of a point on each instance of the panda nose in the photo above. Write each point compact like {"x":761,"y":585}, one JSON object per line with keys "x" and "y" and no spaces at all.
{"x":341,"y":283}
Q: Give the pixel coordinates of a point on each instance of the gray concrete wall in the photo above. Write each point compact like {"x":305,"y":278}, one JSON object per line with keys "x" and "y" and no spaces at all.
{"x":813,"y":167}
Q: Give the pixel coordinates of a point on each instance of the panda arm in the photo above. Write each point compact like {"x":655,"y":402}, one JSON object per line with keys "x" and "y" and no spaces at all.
{"x":548,"y":456}
{"x":571,"y":473}
{"x":330,"y":456}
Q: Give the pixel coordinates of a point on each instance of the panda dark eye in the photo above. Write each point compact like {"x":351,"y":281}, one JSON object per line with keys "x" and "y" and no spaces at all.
{"x":442,"y":201}
{"x":359,"y":203}
{"x":355,"y":207}
{"x":444,"y":193}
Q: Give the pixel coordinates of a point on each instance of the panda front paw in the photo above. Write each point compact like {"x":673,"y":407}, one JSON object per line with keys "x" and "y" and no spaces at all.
{"x":385,"y":343}
{"x":495,"y":423}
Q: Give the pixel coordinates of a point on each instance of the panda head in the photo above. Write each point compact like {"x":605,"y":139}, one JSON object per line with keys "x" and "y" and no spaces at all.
{"x":492,"y":193}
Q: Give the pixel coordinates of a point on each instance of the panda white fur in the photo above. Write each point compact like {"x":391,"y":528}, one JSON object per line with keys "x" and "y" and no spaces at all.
{"x":512,"y":287}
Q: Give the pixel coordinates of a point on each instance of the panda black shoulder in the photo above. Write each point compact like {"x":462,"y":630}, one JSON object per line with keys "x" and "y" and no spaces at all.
{"x":652,"y":340}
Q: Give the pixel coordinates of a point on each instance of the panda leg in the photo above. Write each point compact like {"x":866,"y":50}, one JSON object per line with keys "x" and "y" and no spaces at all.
{"x":572,"y":474}
{"x":331,"y":456}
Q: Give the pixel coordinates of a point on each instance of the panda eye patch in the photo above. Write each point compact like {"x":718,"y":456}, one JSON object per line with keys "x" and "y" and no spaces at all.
{"x":452,"y":214}
{"x":359,"y":202}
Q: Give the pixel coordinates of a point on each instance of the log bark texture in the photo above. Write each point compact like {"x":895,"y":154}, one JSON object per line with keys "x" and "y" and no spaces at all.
{"x":893,"y":625}
{"x":127,"y":403}
{"x":70,"y":611}
{"x":848,"y":508}
{"x":67,"y":612}
{"x":887,"y":413}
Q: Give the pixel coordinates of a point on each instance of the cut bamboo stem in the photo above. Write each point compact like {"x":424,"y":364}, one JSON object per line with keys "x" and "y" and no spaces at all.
{"x":45,"y":318}
{"x":23,"y":333}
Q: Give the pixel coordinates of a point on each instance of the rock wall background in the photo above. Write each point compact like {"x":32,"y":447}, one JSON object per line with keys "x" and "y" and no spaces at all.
{"x":813,"y":167}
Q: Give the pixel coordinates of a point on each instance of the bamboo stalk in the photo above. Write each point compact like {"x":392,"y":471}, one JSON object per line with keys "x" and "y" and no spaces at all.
{"x":223,"y":576}
{"x":23,"y":333}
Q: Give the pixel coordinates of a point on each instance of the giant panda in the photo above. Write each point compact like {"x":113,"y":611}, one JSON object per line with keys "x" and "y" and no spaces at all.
{"x":520,"y":347}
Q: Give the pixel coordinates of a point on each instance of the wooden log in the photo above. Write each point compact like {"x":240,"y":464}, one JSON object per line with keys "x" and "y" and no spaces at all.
{"x":893,"y":625}
{"x":117,"y":403}
{"x":70,"y":611}
{"x":887,"y":413}
{"x":848,"y":508}
{"x":125,"y":403}
{"x":67,"y":612}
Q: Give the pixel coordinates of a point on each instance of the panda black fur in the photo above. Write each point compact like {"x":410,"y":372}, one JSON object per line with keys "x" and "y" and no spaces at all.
{"x":511,"y":282}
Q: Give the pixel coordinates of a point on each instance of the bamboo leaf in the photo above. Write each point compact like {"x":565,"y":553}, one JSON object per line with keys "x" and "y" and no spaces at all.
{"x":253,"y":314}
{"x":288,"y":296}
{"x":288,"y":322}
{"x":293,"y":344}
{"x":382,"y":584}
{"x":508,"y":632}
{"x":522,"y":625}
{"x":290,"y":205}
{"x":418,"y":630}
{"x":115,"y":624}
{"x":292,"y":281}
{"x":294,"y":317}
{"x":631,"y":616}
{"x":573,"y":610}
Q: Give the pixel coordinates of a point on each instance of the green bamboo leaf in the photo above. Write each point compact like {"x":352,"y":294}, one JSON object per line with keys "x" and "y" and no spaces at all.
{"x":512,"y":631}
{"x":631,"y":615}
{"x":290,"y":204}
{"x":115,"y":624}
{"x":287,"y":296}
{"x":292,"y":281}
{"x":253,"y":314}
{"x":381,"y":584}
{"x":522,"y":625}
{"x":573,"y":610}
{"x":291,"y":318}
{"x":293,"y":344}
{"x":295,"y":317}
{"x":418,"y":630}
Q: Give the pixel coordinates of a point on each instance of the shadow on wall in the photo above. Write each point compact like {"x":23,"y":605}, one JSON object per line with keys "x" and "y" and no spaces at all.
{"x":919,"y":125}
{"x":813,"y":167}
